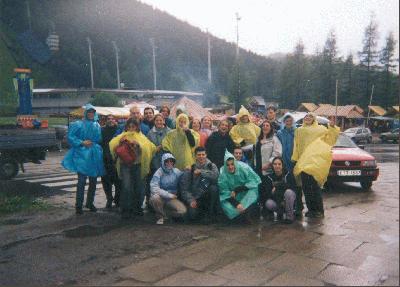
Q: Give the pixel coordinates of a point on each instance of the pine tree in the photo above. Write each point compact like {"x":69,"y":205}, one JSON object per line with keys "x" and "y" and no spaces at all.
{"x":369,"y":54}
{"x":329,"y":60}
{"x":387,"y":59}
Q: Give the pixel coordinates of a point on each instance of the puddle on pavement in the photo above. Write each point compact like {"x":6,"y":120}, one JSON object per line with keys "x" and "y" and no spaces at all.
{"x":86,"y":231}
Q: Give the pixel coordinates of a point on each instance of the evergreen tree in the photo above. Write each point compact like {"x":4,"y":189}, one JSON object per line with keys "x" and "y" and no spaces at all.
{"x":387,"y":59}
{"x":328,"y":72}
{"x":368,"y":55}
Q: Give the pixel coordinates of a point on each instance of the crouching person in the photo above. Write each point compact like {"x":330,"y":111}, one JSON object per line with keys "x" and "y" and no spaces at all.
{"x":133,"y":153}
{"x":238,"y":188}
{"x":164,"y":190}
{"x":199,"y":189}
{"x":278,"y":192}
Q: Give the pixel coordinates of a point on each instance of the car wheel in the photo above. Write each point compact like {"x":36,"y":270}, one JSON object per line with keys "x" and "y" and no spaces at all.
{"x":366,"y":185}
{"x":8,"y":168}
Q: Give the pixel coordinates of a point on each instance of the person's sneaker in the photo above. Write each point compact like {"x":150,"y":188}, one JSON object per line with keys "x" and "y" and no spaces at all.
{"x":319,"y":215}
{"x":109,"y":204}
{"x":287,"y":221}
{"x":309,"y":214}
{"x":78,"y":211}
{"x":160,"y":221}
{"x":91,"y":207}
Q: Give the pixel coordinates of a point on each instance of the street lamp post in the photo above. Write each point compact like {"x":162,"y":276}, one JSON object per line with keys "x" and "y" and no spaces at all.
{"x":154,"y":63}
{"x":117,"y":61}
{"x":91,"y":62}
{"x":237,"y":63}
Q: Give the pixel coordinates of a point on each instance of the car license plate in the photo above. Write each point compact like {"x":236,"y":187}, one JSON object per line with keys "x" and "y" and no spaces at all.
{"x":348,"y":172}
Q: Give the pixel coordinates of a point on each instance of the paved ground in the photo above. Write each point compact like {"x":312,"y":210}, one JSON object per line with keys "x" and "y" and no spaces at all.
{"x":357,"y":243}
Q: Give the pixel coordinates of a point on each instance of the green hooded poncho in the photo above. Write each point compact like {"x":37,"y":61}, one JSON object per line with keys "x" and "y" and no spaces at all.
{"x":227,"y":182}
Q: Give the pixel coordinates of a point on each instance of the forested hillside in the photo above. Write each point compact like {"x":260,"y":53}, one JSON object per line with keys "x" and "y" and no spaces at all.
{"x":181,"y":56}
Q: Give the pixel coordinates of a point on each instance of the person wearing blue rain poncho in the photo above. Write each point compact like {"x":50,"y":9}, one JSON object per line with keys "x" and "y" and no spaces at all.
{"x":85,"y":156}
{"x":238,"y":185}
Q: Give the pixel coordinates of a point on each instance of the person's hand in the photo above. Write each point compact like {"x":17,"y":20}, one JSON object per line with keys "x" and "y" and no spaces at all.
{"x":233,"y":194}
{"x":87,"y":143}
{"x":240,"y":208}
{"x":263,"y":141}
{"x":273,"y":190}
{"x":193,"y":204}
{"x":332,"y":121}
{"x":266,"y":166}
{"x":122,"y":139}
{"x":197,"y":172}
{"x":158,"y":148}
{"x":173,"y":196}
{"x":188,"y":168}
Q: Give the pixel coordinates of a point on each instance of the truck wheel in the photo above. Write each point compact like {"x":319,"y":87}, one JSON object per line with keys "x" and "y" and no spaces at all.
{"x":366,"y":185}
{"x":8,"y":168}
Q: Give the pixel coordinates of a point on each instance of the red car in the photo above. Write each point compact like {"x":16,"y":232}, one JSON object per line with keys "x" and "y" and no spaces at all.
{"x":352,"y":164}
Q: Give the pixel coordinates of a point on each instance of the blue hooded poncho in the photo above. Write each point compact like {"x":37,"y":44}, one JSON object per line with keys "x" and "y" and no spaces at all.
{"x":165,"y":181}
{"x":80,"y":159}
{"x":227,"y":182}
{"x":286,"y":137}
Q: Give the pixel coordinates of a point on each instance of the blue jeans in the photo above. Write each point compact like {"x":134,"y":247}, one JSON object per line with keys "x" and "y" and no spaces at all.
{"x":80,"y":190}
{"x":132,"y":188}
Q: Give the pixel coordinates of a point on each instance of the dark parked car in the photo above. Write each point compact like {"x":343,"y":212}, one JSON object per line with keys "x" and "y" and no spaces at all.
{"x":392,"y":136}
{"x":352,"y":164}
{"x":359,"y":134}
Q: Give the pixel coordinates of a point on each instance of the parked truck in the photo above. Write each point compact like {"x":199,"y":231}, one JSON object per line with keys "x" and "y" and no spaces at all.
{"x":20,"y":143}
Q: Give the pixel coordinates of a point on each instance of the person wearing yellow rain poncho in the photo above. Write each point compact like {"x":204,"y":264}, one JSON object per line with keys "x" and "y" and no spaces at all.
{"x":181,"y":143}
{"x":245,"y":132}
{"x":313,"y":157}
{"x":132,"y":175}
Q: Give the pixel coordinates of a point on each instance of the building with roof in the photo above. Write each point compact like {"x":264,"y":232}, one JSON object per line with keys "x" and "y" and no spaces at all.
{"x":376,"y":111}
{"x":347,"y":116}
{"x":307,"y":107}
{"x":191,"y":107}
{"x":257,"y":104}
{"x":62,"y":101}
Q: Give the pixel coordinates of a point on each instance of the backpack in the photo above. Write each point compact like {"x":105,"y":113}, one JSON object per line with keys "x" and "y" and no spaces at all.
{"x":126,"y":151}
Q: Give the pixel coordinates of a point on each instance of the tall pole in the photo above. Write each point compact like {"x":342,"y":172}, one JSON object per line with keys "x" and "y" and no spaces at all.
{"x":209,"y":58}
{"x":154,"y":63}
{"x":117,"y":61}
{"x":370,"y":103}
{"x":237,"y":62}
{"x":28,"y":13}
{"x":336,"y":96}
{"x":91,"y":62}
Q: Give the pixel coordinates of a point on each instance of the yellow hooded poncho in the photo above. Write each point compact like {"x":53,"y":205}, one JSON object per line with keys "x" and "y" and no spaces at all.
{"x":312,"y":150}
{"x":148,"y":150}
{"x":177,"y":143}
{"x":244,"y":131}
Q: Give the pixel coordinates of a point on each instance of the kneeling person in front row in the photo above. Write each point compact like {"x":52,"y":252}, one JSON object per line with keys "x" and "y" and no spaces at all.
{"x":164,"y":190}
{"x":278,"y":191}
{"x":199,"y":189}
{"x":238,"y":188}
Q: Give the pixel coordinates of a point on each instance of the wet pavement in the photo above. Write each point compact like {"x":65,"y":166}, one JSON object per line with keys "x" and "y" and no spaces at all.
{"x":357,"y":243}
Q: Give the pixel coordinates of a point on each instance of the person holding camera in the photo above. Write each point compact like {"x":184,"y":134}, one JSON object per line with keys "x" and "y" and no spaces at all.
{"x":199,"y":189}
{"x":278,"y":191}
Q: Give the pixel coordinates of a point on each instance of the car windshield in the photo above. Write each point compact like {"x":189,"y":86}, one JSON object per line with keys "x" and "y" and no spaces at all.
{"x":344,"y":141}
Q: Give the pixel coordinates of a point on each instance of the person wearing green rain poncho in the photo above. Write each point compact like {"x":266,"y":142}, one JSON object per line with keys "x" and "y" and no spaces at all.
{"x":181,"y":143}
{"x":238,"y":187}
{"x":313,"y":157}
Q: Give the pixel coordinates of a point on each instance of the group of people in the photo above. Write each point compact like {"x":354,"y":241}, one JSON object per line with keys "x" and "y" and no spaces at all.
{"x":188,"y":170}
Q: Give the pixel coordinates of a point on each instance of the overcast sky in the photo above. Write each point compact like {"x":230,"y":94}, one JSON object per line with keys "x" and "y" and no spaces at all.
{"x":271,"y":26}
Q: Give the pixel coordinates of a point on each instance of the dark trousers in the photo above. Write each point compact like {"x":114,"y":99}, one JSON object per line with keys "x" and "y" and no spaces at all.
{"x":131,"y":196}
{"x":299,"y":200}
{"x":207,"y":204}
{"x":312,"y":193}
{"x":80,"y":190}
{"x":108,"y":181}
